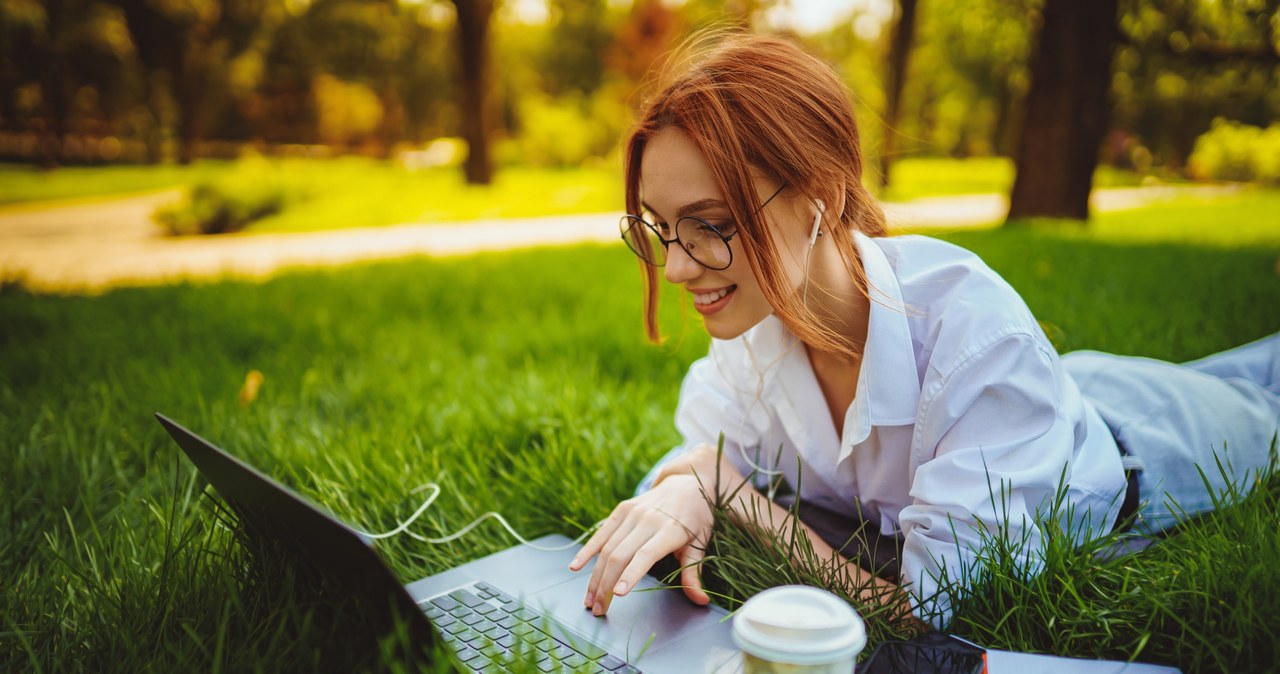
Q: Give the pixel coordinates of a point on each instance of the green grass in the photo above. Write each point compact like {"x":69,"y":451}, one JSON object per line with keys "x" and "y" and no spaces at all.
{"x":520,"y":382}
{"x":359,"y":193}
{"x":356,"y":192}
{"x":1239,"y":219}
{"x":345,"y":192}
{"x":23,"y":184}
{"x":913,"y":178}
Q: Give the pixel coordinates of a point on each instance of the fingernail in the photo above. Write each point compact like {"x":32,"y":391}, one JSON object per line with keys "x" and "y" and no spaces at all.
{"x":591,"y":599}
{"x":620,"y":588}
{"x":597,"y":609}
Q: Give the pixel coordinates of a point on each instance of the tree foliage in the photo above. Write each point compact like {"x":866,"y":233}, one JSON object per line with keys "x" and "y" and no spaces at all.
{"x":183,"y":78}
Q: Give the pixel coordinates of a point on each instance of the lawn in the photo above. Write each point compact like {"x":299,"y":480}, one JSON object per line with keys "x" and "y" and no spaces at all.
{"x":323,"y":194}
{"x":521,"y":383}
{"x":916,"y":177}
{"x":23,"y":184}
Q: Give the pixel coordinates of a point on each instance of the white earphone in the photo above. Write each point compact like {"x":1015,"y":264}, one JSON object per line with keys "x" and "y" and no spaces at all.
{"x":817,"y":221}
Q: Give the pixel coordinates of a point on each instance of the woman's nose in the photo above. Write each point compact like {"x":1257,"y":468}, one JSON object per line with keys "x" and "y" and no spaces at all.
{"x":681,"y":267}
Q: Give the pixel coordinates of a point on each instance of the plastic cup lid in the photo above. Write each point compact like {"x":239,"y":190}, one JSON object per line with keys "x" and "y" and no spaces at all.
{"x":800,"y":625}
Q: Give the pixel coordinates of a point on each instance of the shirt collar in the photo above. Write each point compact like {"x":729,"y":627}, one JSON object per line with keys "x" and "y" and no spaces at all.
{"x":888,"y":383}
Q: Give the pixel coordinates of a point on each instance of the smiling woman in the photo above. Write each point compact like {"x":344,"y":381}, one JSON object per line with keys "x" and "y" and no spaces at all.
{"x":906,"y":378}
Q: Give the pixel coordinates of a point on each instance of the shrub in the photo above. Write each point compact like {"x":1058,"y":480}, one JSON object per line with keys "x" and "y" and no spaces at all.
{"x":1233,"y":151}
{"x":569,"y":130}
{"x":228,"y":204}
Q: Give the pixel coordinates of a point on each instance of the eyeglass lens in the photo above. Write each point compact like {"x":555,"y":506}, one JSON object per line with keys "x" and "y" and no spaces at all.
{"x":700,"y":240}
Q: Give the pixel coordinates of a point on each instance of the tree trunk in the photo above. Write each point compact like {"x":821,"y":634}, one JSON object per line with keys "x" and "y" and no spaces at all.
{"x":57,"y":109}
{"x":473,"y":48}
{"x":899,"y":50}
{"x":1066,"y":110}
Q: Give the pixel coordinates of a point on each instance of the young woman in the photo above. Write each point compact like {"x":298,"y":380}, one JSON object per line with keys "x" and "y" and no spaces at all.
{"x":900,"y":375}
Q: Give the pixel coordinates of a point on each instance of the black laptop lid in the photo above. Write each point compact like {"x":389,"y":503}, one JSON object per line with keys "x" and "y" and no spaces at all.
{"x":311,"y":539}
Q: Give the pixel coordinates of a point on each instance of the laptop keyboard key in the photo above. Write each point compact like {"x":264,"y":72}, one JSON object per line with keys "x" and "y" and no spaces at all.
{"x":466,"y":654}
{"x":449,"y":624}
{"x":486,"y":608}
{"x":508,"y":621}
{"x":466,"y":597}
{"x":522,"y":629}
{"x":611,"y":663}
{"x":588,"y":651}
{"x":444,"y":603}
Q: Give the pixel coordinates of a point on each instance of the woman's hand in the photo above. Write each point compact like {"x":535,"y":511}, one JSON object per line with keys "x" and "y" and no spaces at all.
{"x":673,"y":517}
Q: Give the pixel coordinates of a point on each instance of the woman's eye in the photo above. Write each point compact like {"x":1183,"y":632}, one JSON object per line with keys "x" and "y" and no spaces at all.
{"x":726,"y":228}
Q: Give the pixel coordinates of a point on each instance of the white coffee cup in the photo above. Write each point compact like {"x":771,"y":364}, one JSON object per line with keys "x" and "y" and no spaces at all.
{"x":796,"y":629}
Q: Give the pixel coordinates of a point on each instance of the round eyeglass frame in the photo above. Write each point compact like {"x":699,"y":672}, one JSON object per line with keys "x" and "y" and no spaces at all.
{"x":629,"y":221}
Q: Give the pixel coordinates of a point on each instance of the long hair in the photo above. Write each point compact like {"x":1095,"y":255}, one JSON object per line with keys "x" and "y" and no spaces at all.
{"x":755,"y":101}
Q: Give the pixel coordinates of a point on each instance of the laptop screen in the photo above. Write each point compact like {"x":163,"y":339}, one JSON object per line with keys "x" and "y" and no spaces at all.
{"x":313,"y":542}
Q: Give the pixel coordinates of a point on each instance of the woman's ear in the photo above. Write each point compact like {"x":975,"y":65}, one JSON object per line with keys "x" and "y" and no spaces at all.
{"x":835,"y":207}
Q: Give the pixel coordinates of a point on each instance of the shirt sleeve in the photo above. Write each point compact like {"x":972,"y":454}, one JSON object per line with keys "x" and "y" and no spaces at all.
{"x":994,"y":443}
{"x":708,"y":406}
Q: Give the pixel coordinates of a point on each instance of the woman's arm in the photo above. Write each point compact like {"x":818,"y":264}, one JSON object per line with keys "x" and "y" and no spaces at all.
{"x":675,"y":517}
{"x":751,"y":508}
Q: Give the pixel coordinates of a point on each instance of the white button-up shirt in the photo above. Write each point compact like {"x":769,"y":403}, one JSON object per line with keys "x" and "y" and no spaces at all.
{"x":960,"y":398}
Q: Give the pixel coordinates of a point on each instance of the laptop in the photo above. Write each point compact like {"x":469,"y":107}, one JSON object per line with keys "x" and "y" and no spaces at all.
{"x":519,"y":602}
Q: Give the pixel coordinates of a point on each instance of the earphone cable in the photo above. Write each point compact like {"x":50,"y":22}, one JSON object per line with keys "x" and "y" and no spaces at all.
{"x":403,"y":527}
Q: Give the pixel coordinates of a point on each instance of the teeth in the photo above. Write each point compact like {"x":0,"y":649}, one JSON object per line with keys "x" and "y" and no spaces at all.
{"x":708,"y":298}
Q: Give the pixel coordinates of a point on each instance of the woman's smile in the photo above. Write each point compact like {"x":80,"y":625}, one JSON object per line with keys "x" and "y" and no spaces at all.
{"x":710,"y":301}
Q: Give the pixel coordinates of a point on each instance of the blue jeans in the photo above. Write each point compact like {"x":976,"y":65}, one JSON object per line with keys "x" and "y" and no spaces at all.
{"x":1177,"y":423}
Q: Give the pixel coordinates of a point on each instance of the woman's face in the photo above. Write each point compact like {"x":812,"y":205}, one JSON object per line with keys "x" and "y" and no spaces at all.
{"x":676,"y":181}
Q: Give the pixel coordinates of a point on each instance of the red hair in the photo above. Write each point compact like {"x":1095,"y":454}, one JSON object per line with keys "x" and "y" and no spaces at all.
{"x":755,"y":101}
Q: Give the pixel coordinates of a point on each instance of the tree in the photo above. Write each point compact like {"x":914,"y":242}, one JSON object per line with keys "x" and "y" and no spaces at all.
{"x":904,"y":28}
{"x":1066,"y":110}
{"x":474,"y":17}
{"x":186,"y":46}
{"x":61,"y":47}
{"x":1180,"y":64}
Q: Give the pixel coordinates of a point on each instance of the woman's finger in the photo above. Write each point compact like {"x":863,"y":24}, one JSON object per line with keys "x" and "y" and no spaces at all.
{"x":602,"y":535}
{"x":621,"y":556}
{"x":691,"y":574}
{"x":666,"y":541}
{"x":605,"y":549}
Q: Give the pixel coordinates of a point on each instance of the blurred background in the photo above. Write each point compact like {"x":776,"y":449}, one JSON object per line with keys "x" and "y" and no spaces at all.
{"x":418,"y":96}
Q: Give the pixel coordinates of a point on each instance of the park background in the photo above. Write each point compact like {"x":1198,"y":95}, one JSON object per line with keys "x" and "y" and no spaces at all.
{"x":520,"y":380}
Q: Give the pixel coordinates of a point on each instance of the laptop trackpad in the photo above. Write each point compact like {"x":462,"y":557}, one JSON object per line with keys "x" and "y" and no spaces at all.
{"x":651,"y":617}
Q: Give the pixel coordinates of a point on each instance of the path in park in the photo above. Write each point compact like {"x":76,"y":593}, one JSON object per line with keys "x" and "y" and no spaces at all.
{"x":94,"y":245}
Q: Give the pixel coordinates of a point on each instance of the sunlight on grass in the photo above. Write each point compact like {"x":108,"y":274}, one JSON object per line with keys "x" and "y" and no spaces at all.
{"x":915,"y":178}
{"x":1249,"y":218}
{"x":22,"y":184}
{"x":358,"y":193}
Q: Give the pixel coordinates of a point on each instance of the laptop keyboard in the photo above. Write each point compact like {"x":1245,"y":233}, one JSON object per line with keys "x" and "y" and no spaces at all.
{"x":490,"y":630}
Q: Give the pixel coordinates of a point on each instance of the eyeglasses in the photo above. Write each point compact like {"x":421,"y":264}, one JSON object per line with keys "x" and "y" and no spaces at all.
{"x":706,"y":243}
